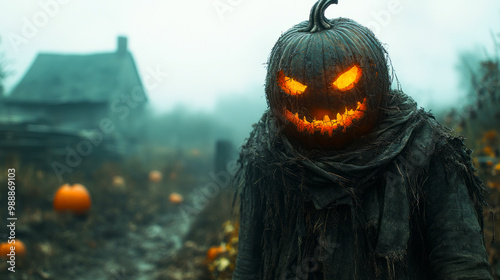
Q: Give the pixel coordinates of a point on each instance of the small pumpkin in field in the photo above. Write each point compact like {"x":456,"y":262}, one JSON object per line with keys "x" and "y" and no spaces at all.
{"x":175,"y":198}
{"x":155,"y":176}
{"x":118,"y":181}
{"x":215,"y":251}
{"x":5,"y":248}
{"x":74,"y":198}
{"x":326,"y":80}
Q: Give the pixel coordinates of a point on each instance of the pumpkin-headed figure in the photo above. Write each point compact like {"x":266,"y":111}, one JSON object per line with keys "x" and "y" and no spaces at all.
{"x":326,"y":80}
{"x":403,"y":202}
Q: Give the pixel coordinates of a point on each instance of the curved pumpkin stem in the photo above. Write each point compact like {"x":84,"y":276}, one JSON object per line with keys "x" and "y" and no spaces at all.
{"x":317,"y":19}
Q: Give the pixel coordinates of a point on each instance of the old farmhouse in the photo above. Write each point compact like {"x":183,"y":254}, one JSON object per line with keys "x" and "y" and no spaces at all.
{"x":88,"y":104}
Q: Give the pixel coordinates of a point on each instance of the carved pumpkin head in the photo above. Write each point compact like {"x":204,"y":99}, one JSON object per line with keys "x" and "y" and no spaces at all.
{"x":326,"y":80}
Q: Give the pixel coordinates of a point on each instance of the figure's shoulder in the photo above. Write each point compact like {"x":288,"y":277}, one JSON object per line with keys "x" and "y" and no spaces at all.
{"x":258,"y":148}
{"x":430,"y":142}
{"x":452,"y":158}
{"x":446,"y":140}
{"x":434,"y":135}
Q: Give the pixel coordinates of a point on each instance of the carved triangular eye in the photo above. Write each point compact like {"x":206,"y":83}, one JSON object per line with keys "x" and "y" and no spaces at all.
{"x":289,"y":85}
{"x":348,"y":79}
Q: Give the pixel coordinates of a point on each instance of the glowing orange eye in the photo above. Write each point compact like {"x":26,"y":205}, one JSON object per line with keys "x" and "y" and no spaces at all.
{"x":290,"y":85}
{"x":348,"y":79}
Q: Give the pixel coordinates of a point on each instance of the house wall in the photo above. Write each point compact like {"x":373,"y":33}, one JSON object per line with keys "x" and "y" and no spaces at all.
{"x":78,"y":116}
{"x":128,"y":105}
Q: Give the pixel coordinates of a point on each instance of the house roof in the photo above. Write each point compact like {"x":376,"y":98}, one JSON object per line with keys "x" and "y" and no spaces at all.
{"x":63,"y":78}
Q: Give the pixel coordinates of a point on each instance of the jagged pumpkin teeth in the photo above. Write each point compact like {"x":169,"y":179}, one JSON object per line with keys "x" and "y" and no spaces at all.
{"x":327,"y":125}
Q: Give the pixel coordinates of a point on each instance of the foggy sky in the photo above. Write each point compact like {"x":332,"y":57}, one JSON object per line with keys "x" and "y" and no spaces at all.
{"x":205,"y":50}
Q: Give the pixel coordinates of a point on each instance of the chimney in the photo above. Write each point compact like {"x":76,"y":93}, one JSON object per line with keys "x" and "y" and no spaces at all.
{"x":122,"y":48}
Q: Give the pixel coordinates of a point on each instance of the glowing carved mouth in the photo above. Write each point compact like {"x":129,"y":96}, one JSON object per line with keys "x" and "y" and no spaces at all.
{"x":327,"y":124}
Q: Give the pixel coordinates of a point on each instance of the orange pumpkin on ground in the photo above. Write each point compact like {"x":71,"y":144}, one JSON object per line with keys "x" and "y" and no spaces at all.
{"x":118,"y":181}
{"x":175,"y":198}
{"x":497,"y":167}
{"x":155,"y":176}
{"x":75,"y":198}
{"x":215,"y":251}
{"x":20,"y":248}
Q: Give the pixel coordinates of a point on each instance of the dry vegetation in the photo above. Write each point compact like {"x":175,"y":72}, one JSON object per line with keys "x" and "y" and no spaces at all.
{"x":132,"y":231}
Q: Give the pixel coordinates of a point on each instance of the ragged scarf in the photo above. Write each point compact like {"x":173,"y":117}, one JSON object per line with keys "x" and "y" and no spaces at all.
{"x":300,"y":191}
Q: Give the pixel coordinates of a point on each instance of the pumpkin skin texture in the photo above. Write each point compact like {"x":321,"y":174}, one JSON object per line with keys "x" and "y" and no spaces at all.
{"x":334,"y":68}
{"x":75,"y":198}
